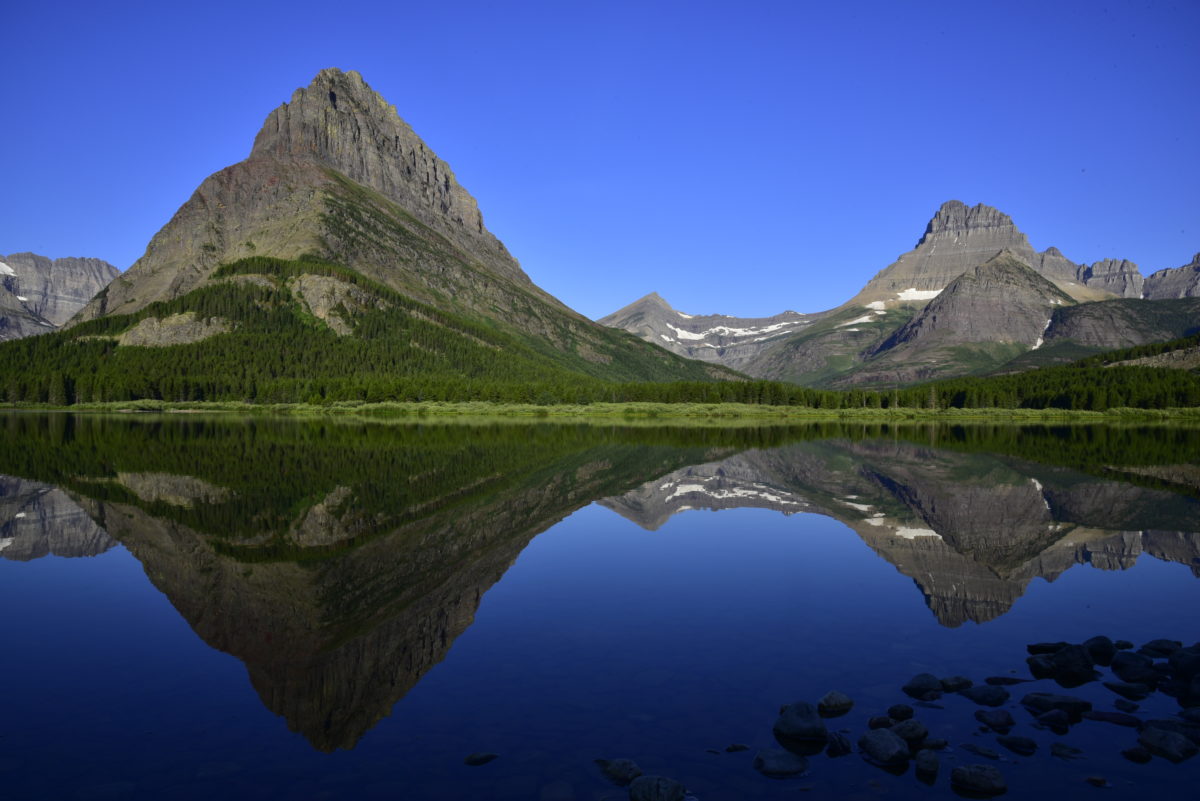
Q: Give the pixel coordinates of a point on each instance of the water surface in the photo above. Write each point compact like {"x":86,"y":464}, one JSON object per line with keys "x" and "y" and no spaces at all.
{"x":337,"y":609}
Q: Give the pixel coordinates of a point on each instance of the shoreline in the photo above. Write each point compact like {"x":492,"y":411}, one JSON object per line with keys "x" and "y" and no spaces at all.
{"x":692,"y":412}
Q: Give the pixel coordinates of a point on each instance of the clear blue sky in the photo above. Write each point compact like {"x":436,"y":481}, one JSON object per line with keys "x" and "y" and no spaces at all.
{"x":736,"y":157}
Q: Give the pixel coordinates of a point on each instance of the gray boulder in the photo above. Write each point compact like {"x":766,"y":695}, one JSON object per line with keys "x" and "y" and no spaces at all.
{"x":978,"y":780}
{"x":884,"y":747}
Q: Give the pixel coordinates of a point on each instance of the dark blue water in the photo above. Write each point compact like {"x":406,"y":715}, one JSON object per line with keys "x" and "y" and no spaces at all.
{"x":526,"y":617}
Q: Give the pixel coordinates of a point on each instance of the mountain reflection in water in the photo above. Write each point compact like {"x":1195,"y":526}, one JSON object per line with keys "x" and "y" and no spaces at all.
{"x":339,"y":561}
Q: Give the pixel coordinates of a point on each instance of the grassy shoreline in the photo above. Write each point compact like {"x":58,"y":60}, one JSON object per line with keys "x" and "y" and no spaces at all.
{"x":722,"y":413}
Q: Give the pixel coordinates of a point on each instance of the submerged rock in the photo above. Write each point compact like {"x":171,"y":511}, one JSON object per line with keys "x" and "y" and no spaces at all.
{"x":884,"y":747}
{"x":1135,"y":669}
{"x":912,"y":732}
{"x":956,"y":684}
{"x":839,"y":745}
{"x":979,"y":780}
{"x":1126,"y":706}
{"x":923,"y":687}
{"x":926,"y":764}
{"x":1119,"y":718}
{"x":1018,"y":745}
{"x":881,"y":722}
{"x":1046,"y":702}
{"x":1073,"y":666}
{"x":1055,"y":720}
{"x":1167,"y":744}
{"x":986,"y":695}
{"x":619,"y":771}
{"x":1139,"y":754}
{"x":779,"y":764}
{"x":733,"y":748}
{"x":1160,"y":649}
{"x":834,"y":704}
{"x":1064,"y":751}
{"x":998,"y":720}
{"x":1045,"y":647}
{"x":1004,"y":681}
{"x":980,"y":750}
{"x":1132,"y":691}
{"x":480,"y":758}
{"x":1101,"y":649}
{"x":899,"y":712}
{"x":656,"y":788}
{"x":799,"y":725}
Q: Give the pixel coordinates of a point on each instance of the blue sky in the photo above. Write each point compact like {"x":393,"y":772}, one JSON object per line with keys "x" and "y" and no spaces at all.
{"x":739,"y":157}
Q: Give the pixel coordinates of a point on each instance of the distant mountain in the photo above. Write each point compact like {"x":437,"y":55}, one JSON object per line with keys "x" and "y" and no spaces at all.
{"x":972,"y":297}
{"x":731,"y":341}
{"x":38,"y":295}
{"x":960,"y":237}
{"x":340,"y":260}
{"x":1177,"y":282}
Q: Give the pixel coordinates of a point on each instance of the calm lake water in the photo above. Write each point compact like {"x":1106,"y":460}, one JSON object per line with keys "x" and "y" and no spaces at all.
{"x":200,"y":608}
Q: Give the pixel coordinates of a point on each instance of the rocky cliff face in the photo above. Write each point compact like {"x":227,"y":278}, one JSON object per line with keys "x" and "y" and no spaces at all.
{"x":1125,"y":323}
{"x":733,"y":342}
{"x":39,"y":520}
{"x":39,"y":295}
{"x":1178,"y":282}
{"x":961,"y":237}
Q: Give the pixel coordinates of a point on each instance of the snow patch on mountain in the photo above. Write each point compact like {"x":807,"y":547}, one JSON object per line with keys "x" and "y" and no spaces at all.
{"x":6,"y":270}
{"x":912,"y":293}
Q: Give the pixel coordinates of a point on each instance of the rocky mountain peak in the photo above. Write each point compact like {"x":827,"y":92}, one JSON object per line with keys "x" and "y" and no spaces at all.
{"x":1175,"y":282}
{"x":956,"y":217}
{"x":339,"y":121}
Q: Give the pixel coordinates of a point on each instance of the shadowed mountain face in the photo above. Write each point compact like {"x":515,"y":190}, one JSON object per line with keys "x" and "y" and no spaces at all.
{"x":339,"y":561}
{"x":39,"y":294}
{"x":971,"y":529}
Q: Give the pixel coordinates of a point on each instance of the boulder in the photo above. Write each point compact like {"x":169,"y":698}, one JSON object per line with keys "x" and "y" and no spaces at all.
{"x":834,"y":704}
{"x":1119,"y":718}
{"x":884,"y":747}
{"x":998,"y":720}
{"x":978,"y":780}
{"x":619,"y":771}
{"x":801,"y":724}
{"x":900,"y":712}
{"x":1160,"y":649}
{"x":1046,"y":702}
{"x":1167,"y":744}
{"x":779,"y":764}
{"x":839,"y":745}
{"x":656,"y":788}
{"x":923,"y":687}
{"x":1018,"y":745}
{"x":1101,"y":649}
{"x":1072,"y":666}
{"x":1045,"y":647}
{"x":955,"y":684}
{"x":912,"y":732}
{"x":1130,"y":690}
{"x":986,"y":694}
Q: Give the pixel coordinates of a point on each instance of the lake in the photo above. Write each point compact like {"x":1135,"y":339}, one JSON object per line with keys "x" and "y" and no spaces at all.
{"x":199,"y":607}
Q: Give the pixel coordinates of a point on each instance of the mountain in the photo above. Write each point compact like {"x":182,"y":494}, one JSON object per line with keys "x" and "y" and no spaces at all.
{"x":38,"y":295}
{"x":730,"y":341}
{"x":1177,"y":282}
{"x":38,"y":519}
{"x":960,"y":237}
{"x":972,"y":297}
{"x":340,"y":260}
{"x":995,"y":311}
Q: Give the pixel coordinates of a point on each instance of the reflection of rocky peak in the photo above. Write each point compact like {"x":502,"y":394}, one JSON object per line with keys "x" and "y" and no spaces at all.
{"x":731,"y":484}
{"x":37,"y":520}
{"x":185,"y":491}
{"x":970,"y":529}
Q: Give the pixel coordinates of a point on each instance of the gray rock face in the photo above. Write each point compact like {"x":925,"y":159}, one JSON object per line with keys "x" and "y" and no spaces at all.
{"x":1118,"y":276}
{"x":730,"y":341}
{"x":1177,"y":282}
{"x":960,"y":237}
{"x":1124,"y":323}
{"x":39,"y":295}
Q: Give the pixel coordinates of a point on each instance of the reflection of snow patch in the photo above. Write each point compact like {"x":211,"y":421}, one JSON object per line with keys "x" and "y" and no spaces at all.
{"x":6,"y":270}
{"x":913,"y":533}
{"x":19,"y":515}
{"x":5,"y":541}
{"x":912,"y":293}
{"x":1038,"y":485}
{"x":22,"y":298}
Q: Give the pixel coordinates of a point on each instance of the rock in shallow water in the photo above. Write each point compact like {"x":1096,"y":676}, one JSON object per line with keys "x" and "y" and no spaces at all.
{"x":998,"y":720}
{"x":1167,"y":744}
{"x":1101,"y":649}
{"x":1018,"y":745}
{"x":656,"y":788}
{"x":955,"y":684}
{"x":898,"y":712}
{"x":1125,"y":689}
{"x":1138,"y":754}
{"x":779,"y":764}
{"x":986,"y":695}
{"x":619,"y":771}
{"x":1119,"y":718}
{"x":1073,"y":666}
{"x":834,"y":704}
{"x":979,"y":780}
{"x":923,"y":687}
{"x":839,"y":745}
{"x":912,"y":732}
{"x":479,"y":758}
{"x":1046,"y":702}
{"x":926,"y":763}
{"x":884,"y":747}
{"x":801,"y":723}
